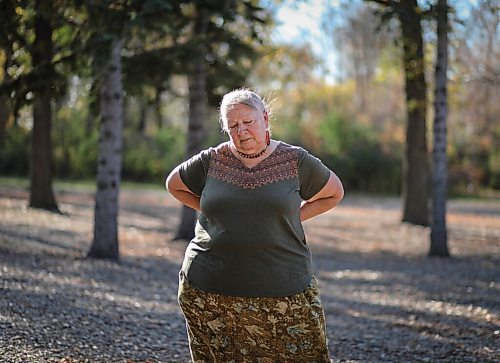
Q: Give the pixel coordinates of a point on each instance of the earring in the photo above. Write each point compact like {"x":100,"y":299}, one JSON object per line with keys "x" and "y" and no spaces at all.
{"x":268,"y":138}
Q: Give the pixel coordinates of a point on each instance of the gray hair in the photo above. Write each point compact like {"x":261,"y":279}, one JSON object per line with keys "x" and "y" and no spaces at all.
{"x":241,"y":96}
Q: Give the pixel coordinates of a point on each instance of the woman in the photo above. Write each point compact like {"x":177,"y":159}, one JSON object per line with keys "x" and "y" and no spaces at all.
{"x":246,"y":285}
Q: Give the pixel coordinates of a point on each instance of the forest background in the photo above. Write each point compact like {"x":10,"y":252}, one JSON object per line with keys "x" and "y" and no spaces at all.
{"x":339,"y":90}
{"x":352,"y":118}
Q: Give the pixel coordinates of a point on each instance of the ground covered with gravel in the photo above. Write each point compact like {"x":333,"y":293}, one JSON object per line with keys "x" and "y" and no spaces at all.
{"x":385,"y":301}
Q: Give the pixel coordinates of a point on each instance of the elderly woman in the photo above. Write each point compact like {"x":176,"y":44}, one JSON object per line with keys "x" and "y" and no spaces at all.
{"x":246,"y":286}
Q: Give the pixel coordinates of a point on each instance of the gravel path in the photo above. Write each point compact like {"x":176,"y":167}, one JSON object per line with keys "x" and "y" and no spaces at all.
{"x":385,"y":300}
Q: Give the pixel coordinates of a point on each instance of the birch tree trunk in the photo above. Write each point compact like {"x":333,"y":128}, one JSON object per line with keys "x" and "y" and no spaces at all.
{"x":416,"y":177}
{"x":198,"y":100}
{"x":41,"y":194}
{"x":439,"y":238}
{"x":105,"y":243}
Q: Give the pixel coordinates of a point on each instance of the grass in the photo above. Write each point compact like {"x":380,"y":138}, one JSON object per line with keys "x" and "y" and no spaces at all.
{"x":88,"y":185}
{"x":76,"y":185}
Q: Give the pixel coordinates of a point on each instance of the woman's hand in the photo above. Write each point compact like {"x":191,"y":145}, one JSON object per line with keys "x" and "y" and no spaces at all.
{"x":180,"y":191}
{"x":327,"y":198}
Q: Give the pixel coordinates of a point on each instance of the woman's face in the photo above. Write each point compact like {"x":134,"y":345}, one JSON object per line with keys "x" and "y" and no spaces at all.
{"x":247,"y":128}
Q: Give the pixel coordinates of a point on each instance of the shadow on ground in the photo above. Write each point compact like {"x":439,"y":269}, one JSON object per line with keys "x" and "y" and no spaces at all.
{"x":384,"y":300}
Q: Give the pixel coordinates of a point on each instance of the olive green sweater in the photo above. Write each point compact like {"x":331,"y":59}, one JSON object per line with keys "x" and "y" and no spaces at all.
{"x":249,"y":239}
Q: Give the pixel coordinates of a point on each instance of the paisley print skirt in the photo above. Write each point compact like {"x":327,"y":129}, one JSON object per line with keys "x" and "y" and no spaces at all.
{"x":254,"y":329}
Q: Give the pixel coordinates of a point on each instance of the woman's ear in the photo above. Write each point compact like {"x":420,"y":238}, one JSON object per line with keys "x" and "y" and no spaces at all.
{"x":266,"y":119}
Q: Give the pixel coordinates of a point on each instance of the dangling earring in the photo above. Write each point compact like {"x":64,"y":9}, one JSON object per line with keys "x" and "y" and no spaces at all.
{"x":268,"y":138}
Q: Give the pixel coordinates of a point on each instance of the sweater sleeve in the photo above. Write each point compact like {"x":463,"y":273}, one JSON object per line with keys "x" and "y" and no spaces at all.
{"x":313,"y":175}
{"x":193,"y":171}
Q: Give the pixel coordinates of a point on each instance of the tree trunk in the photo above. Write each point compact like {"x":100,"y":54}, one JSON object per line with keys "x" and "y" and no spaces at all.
{"x":198,"y":100}
{"x":196,"y":135}
{"x":157,"y":108}
{"x":143,"y":109}
{"x":5,"y":105}
{"x":41,"y":194}
{"x":4,"y":115}
{"x":439,"y":239}
{"x":6,"y":54}
{"x":105,"y":243}
{"x":416,"y":178}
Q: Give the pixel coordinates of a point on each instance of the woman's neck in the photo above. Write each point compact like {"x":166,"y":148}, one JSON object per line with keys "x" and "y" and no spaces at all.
{"x":251,"y":162}
{"x":253,"y":155}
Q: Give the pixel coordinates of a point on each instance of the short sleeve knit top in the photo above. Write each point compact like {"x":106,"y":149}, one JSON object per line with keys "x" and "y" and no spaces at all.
{"x":249,"y":239}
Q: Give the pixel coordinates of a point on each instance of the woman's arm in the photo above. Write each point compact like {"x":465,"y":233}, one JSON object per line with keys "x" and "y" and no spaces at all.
{"x":180,"y":191}
{"x":327,"y":198}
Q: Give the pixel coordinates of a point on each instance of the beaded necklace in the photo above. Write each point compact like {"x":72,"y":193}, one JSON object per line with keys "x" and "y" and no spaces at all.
{"x":253,"y":156}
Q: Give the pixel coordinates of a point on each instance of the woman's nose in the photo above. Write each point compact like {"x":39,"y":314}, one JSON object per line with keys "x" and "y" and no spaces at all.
{"x":241,"y":128}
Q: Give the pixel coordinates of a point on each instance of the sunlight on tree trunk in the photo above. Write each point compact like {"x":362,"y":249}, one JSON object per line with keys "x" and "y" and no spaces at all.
{"x":105,"y":243}
{"x":41,"y":193}
{"x":439,"y":239}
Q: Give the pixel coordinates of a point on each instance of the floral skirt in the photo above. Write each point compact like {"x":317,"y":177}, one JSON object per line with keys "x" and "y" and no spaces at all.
{"x":254,"y":329}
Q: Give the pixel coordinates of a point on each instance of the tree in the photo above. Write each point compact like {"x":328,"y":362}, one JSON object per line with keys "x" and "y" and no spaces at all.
{"x":108,"y":22}
{"x":360,"y":40}
{"x":37,"y":39}
{"x":112,"y":24}
{"x":41,"y":194}
{"x":416,"y":171}
{"x":474,"y":130}
{"x":211,"y":44}
{"x":5,"y":104}
{"x":221,"y":37}
{"x":198,"y":102}
{"x":8,"y":21}
{"x":105,"y":243}
{"x":6,"y":50}
{"x":439,"y":239}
